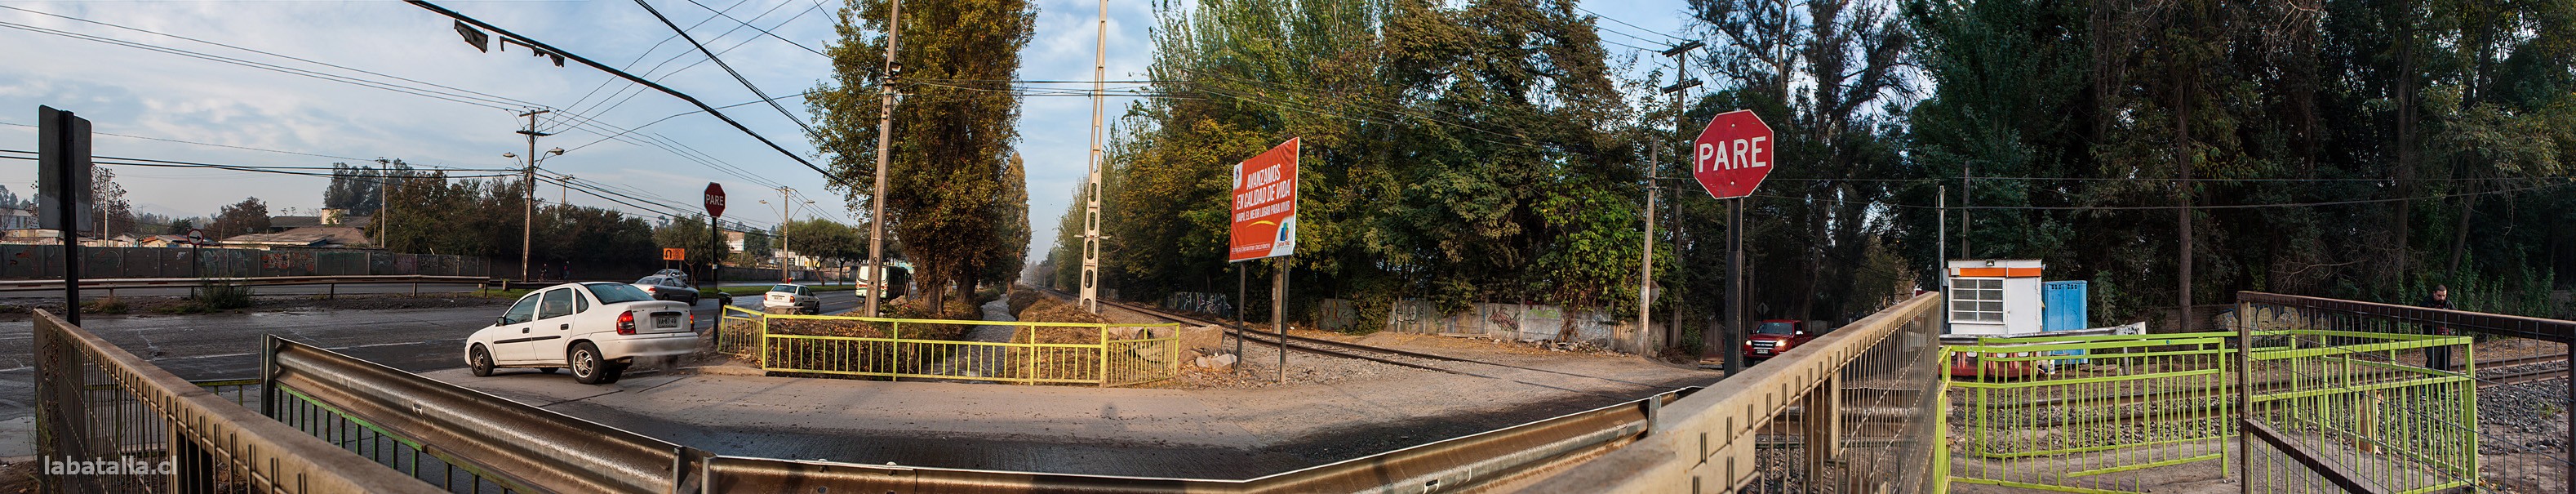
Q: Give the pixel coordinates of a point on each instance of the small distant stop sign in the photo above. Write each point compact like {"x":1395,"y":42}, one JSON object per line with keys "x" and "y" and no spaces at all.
{"x":1732,"y":155}
{"x":715,"y":200}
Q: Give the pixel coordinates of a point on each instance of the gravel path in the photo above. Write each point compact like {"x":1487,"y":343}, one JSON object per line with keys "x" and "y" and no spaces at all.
{"x":978,"y":360}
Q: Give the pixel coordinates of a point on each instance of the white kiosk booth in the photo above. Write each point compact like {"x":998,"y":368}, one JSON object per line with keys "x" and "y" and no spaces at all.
{"x":1994,"y":297}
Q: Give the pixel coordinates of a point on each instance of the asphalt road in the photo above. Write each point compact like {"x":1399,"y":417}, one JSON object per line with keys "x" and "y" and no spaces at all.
{"x":225,"y":346}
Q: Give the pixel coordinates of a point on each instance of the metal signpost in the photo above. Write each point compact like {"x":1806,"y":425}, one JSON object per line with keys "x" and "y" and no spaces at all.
{"x":1729,"y":159}
{"x":715,"y":237}
{"x":62,"y":191}
{"x":1265,"y":226}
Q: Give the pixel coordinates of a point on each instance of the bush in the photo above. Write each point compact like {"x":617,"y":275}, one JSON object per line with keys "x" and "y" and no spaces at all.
{"x":215,"y":297}
{"x":1022,"y":299}
{"x":105,"y":305}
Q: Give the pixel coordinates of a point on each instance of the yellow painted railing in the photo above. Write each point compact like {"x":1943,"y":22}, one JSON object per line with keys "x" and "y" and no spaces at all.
{"x":1101,"y":354}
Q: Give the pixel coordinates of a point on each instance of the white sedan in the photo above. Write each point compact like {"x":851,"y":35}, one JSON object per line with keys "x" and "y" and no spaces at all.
{"x":597,"y":329}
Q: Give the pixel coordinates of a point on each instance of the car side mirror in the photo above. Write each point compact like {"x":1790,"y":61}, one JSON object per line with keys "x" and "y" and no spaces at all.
{"x":501,"y":321}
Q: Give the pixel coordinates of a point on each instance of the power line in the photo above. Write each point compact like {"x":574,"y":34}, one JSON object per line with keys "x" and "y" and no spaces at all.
{"x":728,"y":68}
{"x":828,"y":175}
{"x":762,"y":31}
{"x":427,"y":93}
{"x":675,"y":57}
{"x":648,"y":51}
{"x":609,"y":107}
{"x":288,"y":57}
{"x":677,"y":115}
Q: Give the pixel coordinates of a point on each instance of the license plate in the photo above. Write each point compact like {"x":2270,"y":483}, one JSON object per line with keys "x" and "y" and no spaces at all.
{"x":1765,"y":351}
{"x":666,"y":321}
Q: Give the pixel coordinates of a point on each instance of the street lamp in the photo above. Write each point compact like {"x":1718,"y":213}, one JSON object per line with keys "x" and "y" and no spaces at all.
{"x":528,"y":224}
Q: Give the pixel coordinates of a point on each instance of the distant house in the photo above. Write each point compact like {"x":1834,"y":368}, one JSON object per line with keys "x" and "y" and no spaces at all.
{"x":17,"y":219}
{"x":163,"y":241}
{"x":311,"y":236}
{"x":329,"y":218}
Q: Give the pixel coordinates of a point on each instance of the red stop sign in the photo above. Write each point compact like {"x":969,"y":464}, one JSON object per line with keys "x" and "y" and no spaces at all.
{"x":715,"y":200}
{"x":1732,"y":155}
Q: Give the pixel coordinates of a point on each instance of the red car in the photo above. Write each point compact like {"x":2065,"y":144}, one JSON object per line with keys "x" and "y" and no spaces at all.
{"x":1774,"y":336}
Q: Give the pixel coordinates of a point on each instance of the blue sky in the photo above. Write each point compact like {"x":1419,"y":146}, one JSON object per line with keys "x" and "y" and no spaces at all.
{"x":140,"y":92}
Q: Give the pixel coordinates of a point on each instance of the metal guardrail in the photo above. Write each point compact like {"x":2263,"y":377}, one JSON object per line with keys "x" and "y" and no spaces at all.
{"x":514,"y":446}
{"x":1853,"y":411}
{"x":134,"y":283}
{"x":96,"y":403}
{"x":1100,"y":354}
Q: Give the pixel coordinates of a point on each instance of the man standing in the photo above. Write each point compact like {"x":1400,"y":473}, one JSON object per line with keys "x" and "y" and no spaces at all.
{"x":2439,"y":358}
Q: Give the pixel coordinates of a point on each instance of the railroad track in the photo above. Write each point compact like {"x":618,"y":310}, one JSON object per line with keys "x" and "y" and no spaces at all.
{"x":1390,"y":356}
{"x":2519,"y":376}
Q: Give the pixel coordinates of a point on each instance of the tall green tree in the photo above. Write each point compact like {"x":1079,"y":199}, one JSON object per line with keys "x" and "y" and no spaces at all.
{"x":953,"y":129}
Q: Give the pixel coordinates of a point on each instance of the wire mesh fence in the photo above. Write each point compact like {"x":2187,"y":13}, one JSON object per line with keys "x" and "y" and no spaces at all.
{"x":2088,"y":412}
{"x":2391,"y":401}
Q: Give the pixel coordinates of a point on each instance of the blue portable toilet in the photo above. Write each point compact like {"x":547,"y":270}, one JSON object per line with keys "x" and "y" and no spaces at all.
{"x":2063,"y":308}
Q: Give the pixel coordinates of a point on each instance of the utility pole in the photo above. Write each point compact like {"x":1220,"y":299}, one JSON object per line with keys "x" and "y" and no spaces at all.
{"x":1090,"y":297}
{"x":528,"y":227}
{"x":1967,"y":198}
{"x":384,"y":201}
{"x":1941,"y":249}
{"x":1682,"y":83}
{"x":885,"y":134}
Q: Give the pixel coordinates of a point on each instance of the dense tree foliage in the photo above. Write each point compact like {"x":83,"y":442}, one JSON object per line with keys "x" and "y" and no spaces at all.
{"x":248,"y":216}
{"x":433,"y":214}
{"x":953,"y":131}
{"x":1484,"y":151}
{"x":2437,"y":128}
{"x":359,"y":189}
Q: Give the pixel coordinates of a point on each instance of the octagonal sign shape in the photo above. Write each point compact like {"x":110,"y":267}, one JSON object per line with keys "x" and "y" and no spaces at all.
{"x":1732,"y":155}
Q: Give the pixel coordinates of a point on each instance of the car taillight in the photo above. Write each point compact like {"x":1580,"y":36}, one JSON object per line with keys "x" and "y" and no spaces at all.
{"x":650,"y":290}
{"x":626,"y":323}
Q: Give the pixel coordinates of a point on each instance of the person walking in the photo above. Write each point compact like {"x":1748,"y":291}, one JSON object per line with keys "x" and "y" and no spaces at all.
{"x":2439,"y":358}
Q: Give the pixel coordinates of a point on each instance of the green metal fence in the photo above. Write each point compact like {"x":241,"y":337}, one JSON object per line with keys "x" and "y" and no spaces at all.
{"x":1039,"y":353}
{"x":2136,"y":413}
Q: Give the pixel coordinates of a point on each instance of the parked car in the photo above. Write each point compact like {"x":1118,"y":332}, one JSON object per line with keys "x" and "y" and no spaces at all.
{"x":668,"y":288}
{"x":1774,"y":336}
{"x":597,"y":329}
{"x":682,"y":276}
{"x":791,"y":296}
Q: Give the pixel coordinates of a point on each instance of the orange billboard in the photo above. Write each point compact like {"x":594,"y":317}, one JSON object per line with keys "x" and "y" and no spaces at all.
{"x":1265,"y":205}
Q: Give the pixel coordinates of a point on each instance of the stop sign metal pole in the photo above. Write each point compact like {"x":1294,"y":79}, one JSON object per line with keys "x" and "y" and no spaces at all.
{"x":1730,"y":159}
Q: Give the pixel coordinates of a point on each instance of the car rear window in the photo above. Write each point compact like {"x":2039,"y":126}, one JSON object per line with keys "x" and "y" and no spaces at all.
{"x":610,"y":293}
{"x":786,"y":288}
{"x":649,"y":280}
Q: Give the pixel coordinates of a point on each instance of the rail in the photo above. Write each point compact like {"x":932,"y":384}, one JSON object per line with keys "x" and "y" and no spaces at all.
{"x":97,"y":404}
{"x":1039,"y":352}
{"x":1854,"y":411}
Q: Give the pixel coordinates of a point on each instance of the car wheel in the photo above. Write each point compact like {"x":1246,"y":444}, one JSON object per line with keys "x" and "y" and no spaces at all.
{"x":481,"y":360}
{"x":548,"y":370}
{"x":587,"y":365}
